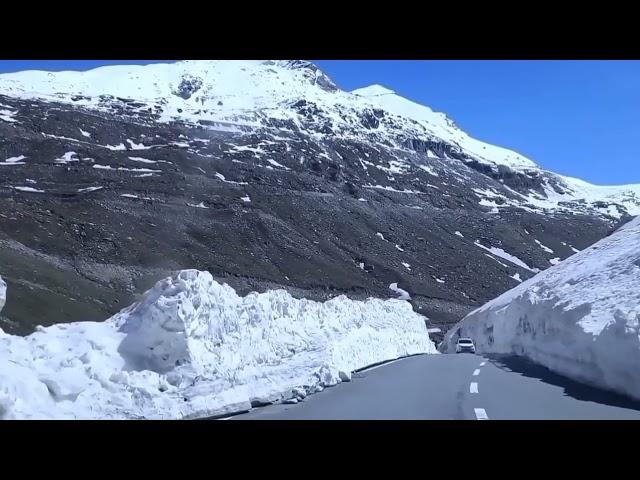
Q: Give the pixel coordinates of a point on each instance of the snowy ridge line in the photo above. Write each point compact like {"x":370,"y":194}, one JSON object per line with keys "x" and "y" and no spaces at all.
{"x":251,"y":95}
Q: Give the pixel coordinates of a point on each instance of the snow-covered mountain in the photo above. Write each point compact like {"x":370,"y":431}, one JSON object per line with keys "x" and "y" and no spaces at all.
{"x":580,"y":318}
{"x":275,"y":94}
{"x":266,"y":174}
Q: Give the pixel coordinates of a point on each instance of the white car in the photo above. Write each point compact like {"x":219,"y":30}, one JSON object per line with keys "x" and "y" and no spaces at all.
{"x":465,"y":344}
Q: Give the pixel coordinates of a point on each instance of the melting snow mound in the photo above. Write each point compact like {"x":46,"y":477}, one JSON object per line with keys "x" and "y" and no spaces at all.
{"x":192,"y":347}
{"x":580,"y":318}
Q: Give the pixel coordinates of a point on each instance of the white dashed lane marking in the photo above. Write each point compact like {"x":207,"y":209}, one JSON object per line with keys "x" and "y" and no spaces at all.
{"x":481,"y":414}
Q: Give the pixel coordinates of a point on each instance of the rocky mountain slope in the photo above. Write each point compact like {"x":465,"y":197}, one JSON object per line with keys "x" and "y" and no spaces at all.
{"x":267,"y":175}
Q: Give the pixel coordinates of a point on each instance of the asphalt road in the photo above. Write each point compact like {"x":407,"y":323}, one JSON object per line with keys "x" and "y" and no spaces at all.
{"x":455,"y":387}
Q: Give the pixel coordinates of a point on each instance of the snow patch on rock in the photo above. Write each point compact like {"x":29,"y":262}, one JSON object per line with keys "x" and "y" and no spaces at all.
{"x":14,"y":161}
{"x":28,"y":189}
{"x":402,"y":294}
{"x":68,"y":157}
{"x":498,"y":252}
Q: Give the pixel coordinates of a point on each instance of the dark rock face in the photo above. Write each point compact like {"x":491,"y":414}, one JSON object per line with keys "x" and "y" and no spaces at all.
{"x":369,"y":120}
{"x":106,"y":203}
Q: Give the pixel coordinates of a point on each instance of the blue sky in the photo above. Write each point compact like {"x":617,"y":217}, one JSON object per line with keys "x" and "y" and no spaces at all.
{"x":579,"y":118}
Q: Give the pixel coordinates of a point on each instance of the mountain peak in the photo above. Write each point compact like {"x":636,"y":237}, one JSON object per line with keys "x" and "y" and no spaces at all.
{"x":373,"y":91}
{"x":311,"y":73}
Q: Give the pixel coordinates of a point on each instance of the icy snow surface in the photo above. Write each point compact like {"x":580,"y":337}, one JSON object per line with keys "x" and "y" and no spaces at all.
{"x":580,"y":318}
{"x":192,"y":347}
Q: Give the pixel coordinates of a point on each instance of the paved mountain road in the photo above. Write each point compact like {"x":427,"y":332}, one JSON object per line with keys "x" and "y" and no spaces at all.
{"x":455,"y":387}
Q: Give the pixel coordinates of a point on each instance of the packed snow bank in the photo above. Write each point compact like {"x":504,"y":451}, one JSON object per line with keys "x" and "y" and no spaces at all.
{"x":192,"y":347}
{"x":580,"y":318}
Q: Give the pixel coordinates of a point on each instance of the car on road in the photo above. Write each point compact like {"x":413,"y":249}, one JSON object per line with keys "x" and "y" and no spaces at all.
{"x":465,"y":344}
